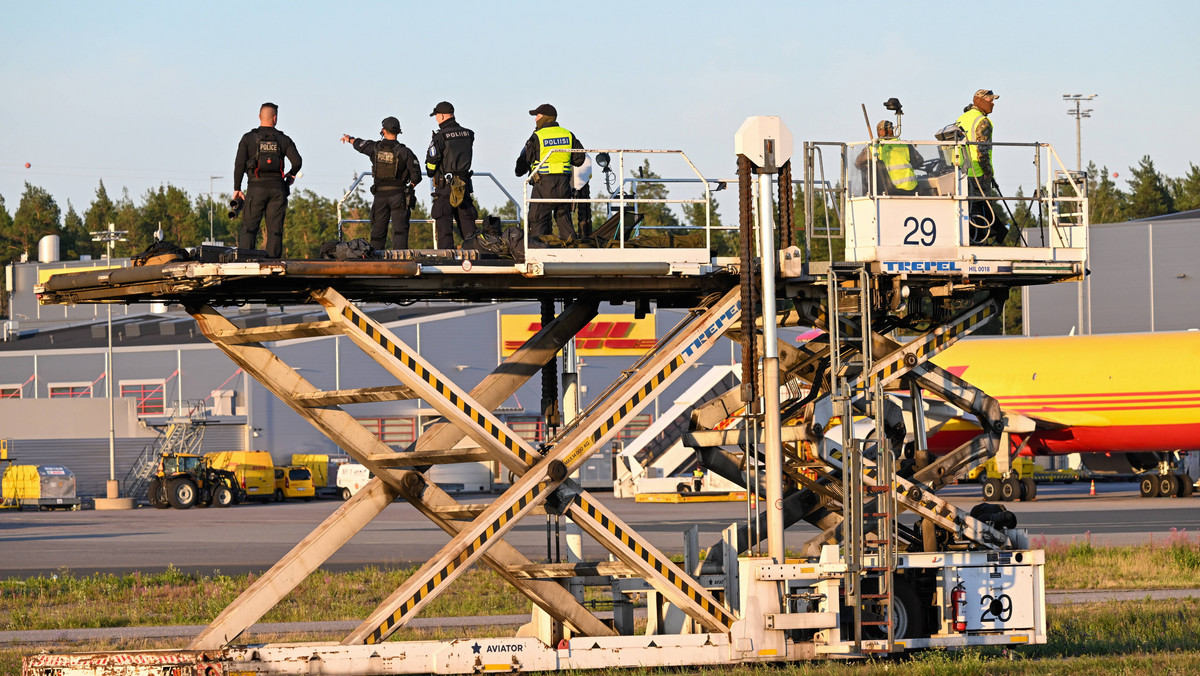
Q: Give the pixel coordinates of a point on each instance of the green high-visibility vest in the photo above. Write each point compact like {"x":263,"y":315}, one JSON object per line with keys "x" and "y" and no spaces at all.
{"x":969,"y":121}
{"x":551,"y":142}
{"x":898,"y":162}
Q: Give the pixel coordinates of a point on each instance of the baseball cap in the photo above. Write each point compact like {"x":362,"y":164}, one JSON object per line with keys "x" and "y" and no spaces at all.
{"x":544,"y":109}
{"x":391,"y":124}
{"x":884,"y":126}
{"x":986,"y":94}
{"x":443,"y":108}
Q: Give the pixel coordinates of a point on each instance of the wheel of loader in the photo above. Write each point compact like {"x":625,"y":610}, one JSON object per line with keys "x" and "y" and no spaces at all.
{"x":1186,"y":485}
{"x":991,"y":490}
{"x":1028,"y":489}
{"x":222,"y":496}
{"x":182,"y":493}
{"x":1010,"y":489}
{"x":908,"y":619}
{"x":1168,"y":485}
{"x":158,"y":497}
{"x":345,"y":494}
{"x":1149,"y":486}
{"x":682,"y":488}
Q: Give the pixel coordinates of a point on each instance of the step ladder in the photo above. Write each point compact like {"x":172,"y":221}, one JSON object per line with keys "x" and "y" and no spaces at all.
{"x":869,"y":504}
{"x":181,"y":435}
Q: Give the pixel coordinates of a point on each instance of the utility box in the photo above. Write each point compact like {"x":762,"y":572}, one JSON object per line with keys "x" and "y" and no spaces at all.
{"x":43,"y":486}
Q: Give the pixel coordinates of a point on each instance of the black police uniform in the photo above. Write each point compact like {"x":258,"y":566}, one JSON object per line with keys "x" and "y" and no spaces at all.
{"x":260,"y":156}
{"x":551,"y":186}
{"x":394,"y":167}
{"x":449,"y":157}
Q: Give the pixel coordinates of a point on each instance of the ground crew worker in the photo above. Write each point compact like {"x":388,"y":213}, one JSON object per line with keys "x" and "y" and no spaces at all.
{"x":553,"y":177}
{"x":981,"y":177}
{"x":894,"y":162}
{"x":697,"y":478}
{"x":448,"y":162}
{"x":396,"y":172}
{"x":260,"y":156}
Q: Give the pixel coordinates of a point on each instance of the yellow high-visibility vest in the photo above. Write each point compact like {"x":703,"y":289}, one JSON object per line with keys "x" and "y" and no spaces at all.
{"x":969,"y":121}
{"x":551,"y":142}
{"x":898,"y":162}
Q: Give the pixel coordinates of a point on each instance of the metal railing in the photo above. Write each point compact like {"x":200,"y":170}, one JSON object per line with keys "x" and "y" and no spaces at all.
{"x":621,"y":198}
{"x":432,"y":225}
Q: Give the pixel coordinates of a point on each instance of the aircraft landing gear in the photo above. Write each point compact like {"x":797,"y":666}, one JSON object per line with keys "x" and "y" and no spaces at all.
{"x":1167,"y":485}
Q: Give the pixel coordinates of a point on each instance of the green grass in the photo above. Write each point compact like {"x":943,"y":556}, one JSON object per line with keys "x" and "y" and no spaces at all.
{"x":1129,"y":637}
{"x":1172,"y":563}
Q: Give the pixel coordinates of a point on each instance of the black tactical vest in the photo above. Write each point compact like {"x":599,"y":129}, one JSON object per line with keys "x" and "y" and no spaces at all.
{"x":456,"y":157}
{"x":386,"y":165}
{"x":268,"y":158}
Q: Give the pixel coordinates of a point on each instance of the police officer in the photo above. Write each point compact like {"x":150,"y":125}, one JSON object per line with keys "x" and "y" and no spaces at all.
{"x":448,"y":162}
{"x":553,"y":177}
{"x":396,"y":172}
{"x":895,"y":162}
{"x":260,"y":156}
{"x":981,"y":177}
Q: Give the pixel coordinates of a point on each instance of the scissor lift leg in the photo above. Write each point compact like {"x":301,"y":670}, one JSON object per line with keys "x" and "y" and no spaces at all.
{"x":540,"y":476}
{"x":266,"y":367}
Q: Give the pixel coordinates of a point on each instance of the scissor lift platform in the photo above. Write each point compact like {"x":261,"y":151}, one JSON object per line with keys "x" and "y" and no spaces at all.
{"x":724,"y":610}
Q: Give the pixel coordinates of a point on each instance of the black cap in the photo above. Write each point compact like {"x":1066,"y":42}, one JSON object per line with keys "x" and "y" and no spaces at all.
{"x":391,"y":125}
{"x":443,"y":108}
{"x":544,"y":109}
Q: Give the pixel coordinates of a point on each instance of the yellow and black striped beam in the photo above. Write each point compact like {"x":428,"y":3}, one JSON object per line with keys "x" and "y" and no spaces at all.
{"x":413,"y":364}
{"x":432,"y":582}
{"x":929,"y":346}
{"x":682,"y":583}
{"x":577,"y":455}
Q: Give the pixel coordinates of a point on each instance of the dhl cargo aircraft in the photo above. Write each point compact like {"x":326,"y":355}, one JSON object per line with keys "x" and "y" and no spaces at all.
{"x":1101,"y":396}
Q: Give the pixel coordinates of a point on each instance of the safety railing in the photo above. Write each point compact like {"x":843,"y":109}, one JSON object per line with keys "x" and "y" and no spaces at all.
{"x":621,"y":199}
{"x":882,"y":180}
{"x":432,"y":225}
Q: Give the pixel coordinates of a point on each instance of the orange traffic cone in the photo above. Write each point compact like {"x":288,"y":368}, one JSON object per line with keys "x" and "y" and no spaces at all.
{"x":1093,"y":491}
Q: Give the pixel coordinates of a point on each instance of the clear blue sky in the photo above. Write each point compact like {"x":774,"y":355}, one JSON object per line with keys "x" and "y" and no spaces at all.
{"x":140,"y":93}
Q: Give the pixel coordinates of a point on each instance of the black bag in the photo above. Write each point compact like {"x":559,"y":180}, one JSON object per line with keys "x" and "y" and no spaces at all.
{"x":160,"y":253}
{"x":268,"y":157}
{"x":354,"y":250}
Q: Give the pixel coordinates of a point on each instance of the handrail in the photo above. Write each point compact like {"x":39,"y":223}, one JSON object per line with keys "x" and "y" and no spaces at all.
{"x":358,"y":179}
{"x":620,"y":199}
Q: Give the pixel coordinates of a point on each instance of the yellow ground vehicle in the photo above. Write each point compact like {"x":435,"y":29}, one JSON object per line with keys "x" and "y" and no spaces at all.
{"x":324,"y":471}
{"x":186,"y":479}
{"x":44,"y":486}
{"x":293,"y":481}
{"x":255,"y":471}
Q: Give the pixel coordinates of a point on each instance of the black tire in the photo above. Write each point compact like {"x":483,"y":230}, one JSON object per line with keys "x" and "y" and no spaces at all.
{"x":991,"y":490}
{"x":1010,"y":489}
{"x":1149,"y":486}
{"x":908,"y":617}
{"x":182,"y":493}
{"x":1168,"y":485}
{"x":1028,"y":489}
{"x":156,"y":494}
{"x":1186,"y":485}
{"x":222,"y":497}
{"x":682,"y":488}
{"x":278,"y":495}
{"x":346,"y":494}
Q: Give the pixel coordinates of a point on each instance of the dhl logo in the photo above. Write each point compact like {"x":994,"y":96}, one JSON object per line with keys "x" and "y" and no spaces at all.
{"x":607,"y":335}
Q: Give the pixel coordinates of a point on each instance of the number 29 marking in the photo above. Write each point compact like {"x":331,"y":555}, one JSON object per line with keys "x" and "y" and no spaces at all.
{"x":925,"y":229}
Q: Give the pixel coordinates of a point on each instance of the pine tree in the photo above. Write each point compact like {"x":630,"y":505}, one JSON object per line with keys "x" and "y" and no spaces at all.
{"x":1186,"y":191}
{"x":1106,"y":203}
{"x":37,"y":215}
{"x":657,"y":214}
{"x":1148,"y":194}
{"x":724,"y":242}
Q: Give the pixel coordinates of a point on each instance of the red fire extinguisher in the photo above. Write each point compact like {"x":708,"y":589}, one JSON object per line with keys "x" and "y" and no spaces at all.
{"x":958,"y":599}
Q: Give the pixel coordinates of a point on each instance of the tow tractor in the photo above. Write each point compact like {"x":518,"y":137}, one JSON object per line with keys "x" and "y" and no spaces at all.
{"x":813,"y":433}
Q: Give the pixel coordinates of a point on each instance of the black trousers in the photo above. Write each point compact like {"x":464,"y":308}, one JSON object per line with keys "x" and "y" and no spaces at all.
{"x":583,"y":211}
{"x":551,"y":186}
{"x":445,"y":216}
{"x":269,"y":203}
{"x":390,"y":205}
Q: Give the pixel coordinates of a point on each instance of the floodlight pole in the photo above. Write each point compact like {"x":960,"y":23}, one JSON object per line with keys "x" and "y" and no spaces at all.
{"x":109,"y":237}
{"x":1078,"y":114}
